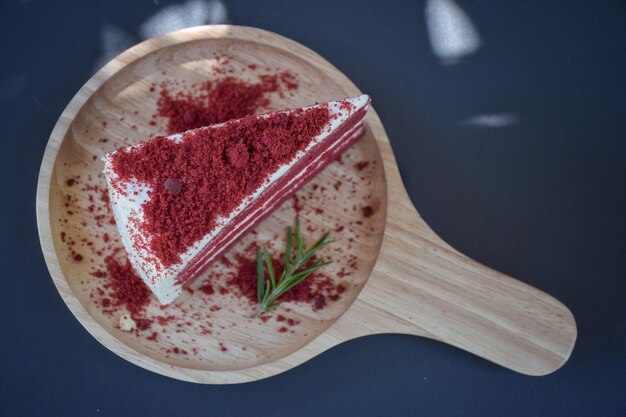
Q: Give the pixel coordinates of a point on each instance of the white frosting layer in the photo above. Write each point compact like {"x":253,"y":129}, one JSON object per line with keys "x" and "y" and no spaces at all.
{"x":127,"y":208}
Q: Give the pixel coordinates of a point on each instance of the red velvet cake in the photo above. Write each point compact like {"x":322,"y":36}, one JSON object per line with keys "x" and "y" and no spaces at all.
{"x":180,"y":201}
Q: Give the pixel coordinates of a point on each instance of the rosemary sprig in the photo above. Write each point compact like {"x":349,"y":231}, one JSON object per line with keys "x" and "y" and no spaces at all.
{"x":296,"y":256}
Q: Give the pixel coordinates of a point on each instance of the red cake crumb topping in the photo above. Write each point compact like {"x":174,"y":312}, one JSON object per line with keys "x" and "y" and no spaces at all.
{"x":219,"y":101}
{"x":210,"y":172}
{"x":126,"y":287}
{"x":207,"y":289}
{"x":361,"y":165}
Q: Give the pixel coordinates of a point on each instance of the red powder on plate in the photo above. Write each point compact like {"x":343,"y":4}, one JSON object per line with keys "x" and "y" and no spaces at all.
{"x":207,"y":289}
{"x":313,"y":290}
{"x":219,"y":101}
{"x":210,"y":171}
{"x":319,"y":302}
{"x":361,"y":165}
{"x":126,"y":287}
{"x":289,"y":80}
{"x":296,"y":203}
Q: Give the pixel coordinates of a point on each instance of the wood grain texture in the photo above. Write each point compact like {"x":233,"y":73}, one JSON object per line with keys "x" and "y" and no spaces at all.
{"x":417,"y":283}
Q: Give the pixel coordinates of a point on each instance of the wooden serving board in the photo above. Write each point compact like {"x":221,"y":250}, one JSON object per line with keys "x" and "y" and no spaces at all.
{"x":397,"y":275}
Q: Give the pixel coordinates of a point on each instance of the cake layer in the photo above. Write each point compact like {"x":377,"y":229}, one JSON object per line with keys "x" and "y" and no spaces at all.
{"x":131,"y":196}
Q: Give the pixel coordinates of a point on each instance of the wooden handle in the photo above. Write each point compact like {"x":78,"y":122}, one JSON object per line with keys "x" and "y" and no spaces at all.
{"x":422,"y":286}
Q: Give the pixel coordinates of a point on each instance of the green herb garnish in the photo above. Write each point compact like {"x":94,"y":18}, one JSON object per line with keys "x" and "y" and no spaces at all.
{"x":296,"y":256}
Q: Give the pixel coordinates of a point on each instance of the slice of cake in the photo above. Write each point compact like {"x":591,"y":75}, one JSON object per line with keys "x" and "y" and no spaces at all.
{"x":181,"y":201}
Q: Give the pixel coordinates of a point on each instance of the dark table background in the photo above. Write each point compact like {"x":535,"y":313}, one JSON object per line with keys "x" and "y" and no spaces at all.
{"x":536,"y":191}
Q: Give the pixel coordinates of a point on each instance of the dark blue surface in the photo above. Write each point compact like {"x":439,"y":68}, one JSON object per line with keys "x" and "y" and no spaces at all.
{"x":542,"y":199}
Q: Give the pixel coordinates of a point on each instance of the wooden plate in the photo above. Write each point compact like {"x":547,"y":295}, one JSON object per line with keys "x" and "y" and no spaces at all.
{"x":416,"y":283}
